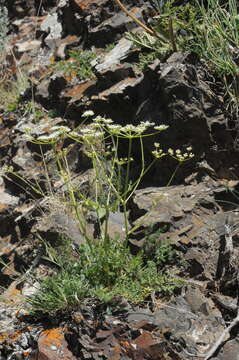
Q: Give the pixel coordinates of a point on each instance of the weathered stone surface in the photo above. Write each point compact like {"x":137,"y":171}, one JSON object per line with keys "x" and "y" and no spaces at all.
{"x":21,"y":8}
{"x":28,"y":45}
{"x":117,"y":54}
{"x":230,"y":351}
{"x":111,"y":82}
{"x":6,"y":199}
{"x":7,"y":204}
{"x":171,"y":204}
{"x":192,"y":217}
{"x":107,"y":26}
{"x":53,"y":346}
{"x":65,"y":223}
{"x":7,"y":309}
{"x":42,"y":127}
{"x":180,"y":99}
{"x":191,"y":319}
{"x":52,"y":26}
{"x":116,"y":226}
{"x":60,"y":46}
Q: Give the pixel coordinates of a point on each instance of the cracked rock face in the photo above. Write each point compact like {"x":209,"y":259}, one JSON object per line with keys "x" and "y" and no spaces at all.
{"x":193,"y":219}
{"x":193,"y":210}
{"x":175,"y":93}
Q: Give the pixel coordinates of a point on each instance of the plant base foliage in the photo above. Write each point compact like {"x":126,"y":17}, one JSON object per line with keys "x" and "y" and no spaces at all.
{"x":105,"y":270}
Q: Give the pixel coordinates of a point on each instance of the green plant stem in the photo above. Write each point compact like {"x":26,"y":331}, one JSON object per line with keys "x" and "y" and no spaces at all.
{"x":38,"y":190}
{"x":126,"y":222}
{"x":65,"y":172}
{"x":171,"y":35}
{"x":173,"y":174}
{"x":46,"y":171}
{"x":128,"y":165}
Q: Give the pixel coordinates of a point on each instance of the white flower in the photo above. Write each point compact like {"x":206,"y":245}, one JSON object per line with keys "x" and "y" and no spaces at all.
{"x":90,"y":134}
{"x":180,"y":158}
{"x":122,"y":161}
{"x":133,"y":130}
{"x":114,"y":129}
{"x":107,"y":121}
{"x":87,"y":131}
{"x":74,"y":134}
{"x":7,"y":169}
{"x":28,"y":137}
{"x":63,"y":129}
{"x":98,"y":134}
{"x":147,"y":123}
{"x":27,"y":130}
{"x":158,"y":153}
{"x":96,"y":126}
{"x":140,"y":129}
{"x":128,"y":128}
{"x":170,"y":151}
{"x":49,"y":137}
{"x":189,"y":148}
{"x":98,"y":119}
{"x":161,"y":127}
{"x":88,"y":113}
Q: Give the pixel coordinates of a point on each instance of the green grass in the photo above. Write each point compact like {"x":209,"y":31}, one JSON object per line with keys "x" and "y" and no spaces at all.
{"x":104,"y":270}
{"x":215,"y":38}
{"x":167,"y":28}
{"x":145,"y":59}
{"x":79,"y":64}
{"x":11,"y":89}
{"x":109,"y":47}
{"x":210,"y":31}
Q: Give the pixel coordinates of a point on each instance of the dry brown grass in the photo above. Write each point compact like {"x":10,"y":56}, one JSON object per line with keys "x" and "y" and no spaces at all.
{"x":13,"y":81}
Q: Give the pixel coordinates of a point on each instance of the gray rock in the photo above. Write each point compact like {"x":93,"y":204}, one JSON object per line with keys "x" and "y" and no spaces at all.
{"x":116,"y":225}
{"x":6,"y":199}
{"x":52,"y":26}
{"x":192,"y":218}
{"x":28,"y":45}
{"x":117,"y":54}
{"x":230,"y":351}
{"x":186,"y":320}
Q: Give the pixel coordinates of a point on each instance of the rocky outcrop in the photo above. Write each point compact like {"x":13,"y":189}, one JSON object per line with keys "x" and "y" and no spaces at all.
{"x":195,"y":209}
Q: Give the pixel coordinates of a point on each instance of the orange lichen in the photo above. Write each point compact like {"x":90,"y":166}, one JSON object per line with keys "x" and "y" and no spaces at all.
{"x":14,"y":292}
{"x":4,"y":336}
{"x":83,"y":4}
{"x":20,"y":317}
{"x":16,"y":334}
{"x":52,"y":59}
{"x":52,"y":337}
{"x":72,"y":75}
{"x":2,"y":206}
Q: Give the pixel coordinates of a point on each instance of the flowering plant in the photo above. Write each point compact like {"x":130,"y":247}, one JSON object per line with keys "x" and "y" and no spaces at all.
{"x":113,"y":186}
